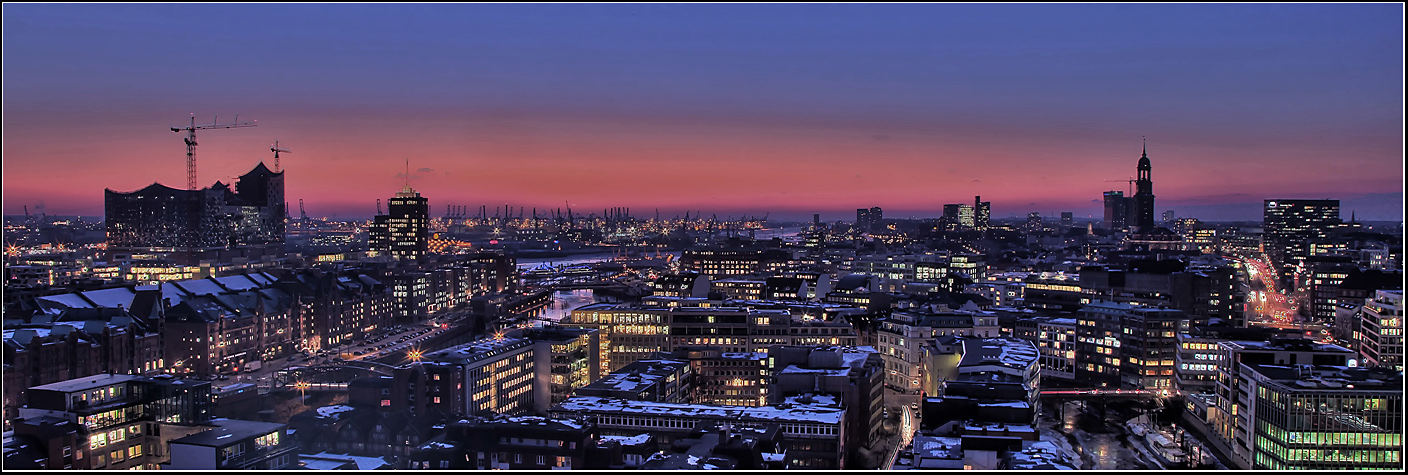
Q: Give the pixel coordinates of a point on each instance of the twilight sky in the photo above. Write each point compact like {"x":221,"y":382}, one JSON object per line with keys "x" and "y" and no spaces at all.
{"x":792,"y":109}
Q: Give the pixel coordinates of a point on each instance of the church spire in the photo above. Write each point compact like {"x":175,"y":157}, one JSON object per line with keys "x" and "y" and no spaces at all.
{"x":1146,"y":147}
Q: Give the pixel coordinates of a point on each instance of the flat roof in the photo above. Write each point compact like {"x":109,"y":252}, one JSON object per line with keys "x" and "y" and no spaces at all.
{"x":229,"y":431}
{"x":807,"y":413}
{"x":88,"y":382}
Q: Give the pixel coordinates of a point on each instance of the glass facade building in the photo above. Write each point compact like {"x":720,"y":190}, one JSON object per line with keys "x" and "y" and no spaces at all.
{"x":1326,"y":417}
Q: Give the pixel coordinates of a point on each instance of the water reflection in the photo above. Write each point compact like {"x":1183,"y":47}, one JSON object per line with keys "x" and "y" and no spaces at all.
{"x":563,"y":303}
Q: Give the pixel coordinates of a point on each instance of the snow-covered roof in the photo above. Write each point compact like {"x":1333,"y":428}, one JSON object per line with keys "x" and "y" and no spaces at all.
{"x":1011,"y":352}
{"x":628,"y":440}
{"x":333,"y":411}
{"x":363,"y":463}
{"x":67,"y":300}
{"x":200,"y":286}
{"x":794,"y":413}
{"x":112,"y":298}
{"x":237,"y":282}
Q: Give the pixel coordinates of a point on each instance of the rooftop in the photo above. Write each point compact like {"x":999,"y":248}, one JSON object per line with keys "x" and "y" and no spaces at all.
{"x":784,"y":413}
{"x":89,"y":382}
{"x":1011,"y":352}
{"x":229,"y":431}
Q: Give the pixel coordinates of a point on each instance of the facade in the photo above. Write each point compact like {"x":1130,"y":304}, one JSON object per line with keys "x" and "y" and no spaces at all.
{"x":900,"y":337}
{"x":403,"y":232}
{"x":74,"y":344}
{"x":1322,"y":418}
{"x":1115,"y":210}
{"x":629,"y":333}
{"x":982,"y":213}
{"x":1127,"y":346}
{"x":510,"y":443}
{"x":1231,"y":414}
{"x":1055,"y":339}
{"x":856,"y":376}
{"x":1381,"y":343}
{"x":523,"y":371}
{"x":657,"y":380}
{"x":814,"y":435}
{"x":235,"y":445}
{"x":720,"y":263}
{"x":1203,"y":292}
{"x":188,"y":226}
{"x":1290,"y":225}
{"x":869,"y":219}
{"x":116,"y":422}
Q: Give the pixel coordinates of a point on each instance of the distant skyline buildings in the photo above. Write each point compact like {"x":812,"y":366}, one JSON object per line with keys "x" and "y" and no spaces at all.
{"x":787,"y":109}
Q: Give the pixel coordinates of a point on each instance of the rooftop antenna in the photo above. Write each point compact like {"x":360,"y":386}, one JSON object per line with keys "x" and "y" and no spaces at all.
{"x":408,"y":173}
{"x":276,"y":151}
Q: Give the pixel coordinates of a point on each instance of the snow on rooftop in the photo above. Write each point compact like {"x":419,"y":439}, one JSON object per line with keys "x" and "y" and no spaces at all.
{"x":67,"y":300}
{"x":333,"y":411}
{"x":112,"y":298}
{"x":238,"y":282}
{"x":805,"y":413}
{"x":363,"y":463}
{"x":628,"y":440}
{"x":793,"y":369}
{"x":200,"y":286}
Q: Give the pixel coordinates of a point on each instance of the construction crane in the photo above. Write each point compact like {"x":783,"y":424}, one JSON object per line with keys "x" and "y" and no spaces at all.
{"x":191,"y":143}
{"x":302,"y":215}
{"x":276,"y":151}
{"x":1131,"y":184}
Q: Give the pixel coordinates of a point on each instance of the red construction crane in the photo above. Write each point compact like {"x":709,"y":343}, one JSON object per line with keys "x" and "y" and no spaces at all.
{"x":191,"y":143}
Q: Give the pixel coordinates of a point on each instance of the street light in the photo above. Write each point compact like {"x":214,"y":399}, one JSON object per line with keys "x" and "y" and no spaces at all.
{"x":302,"y":388}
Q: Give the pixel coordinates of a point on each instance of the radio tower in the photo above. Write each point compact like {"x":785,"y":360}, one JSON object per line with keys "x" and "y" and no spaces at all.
{"x":191,"y":143}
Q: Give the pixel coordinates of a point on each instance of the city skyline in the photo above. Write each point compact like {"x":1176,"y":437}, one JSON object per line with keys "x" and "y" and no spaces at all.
{"x":788,"y":110}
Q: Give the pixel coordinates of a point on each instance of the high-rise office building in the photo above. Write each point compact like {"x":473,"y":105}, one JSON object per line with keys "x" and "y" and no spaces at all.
{"x":403,"y":232}
{"x":1115,"y":210}
{"x":187,"y":226}
{"x":982,"y":212}
{"x":869,"y":219}
{"x":1290,"y":225}
{"x":1067,"y":220}
{"x":1034,"y":223}
{"x":1143,"y":209}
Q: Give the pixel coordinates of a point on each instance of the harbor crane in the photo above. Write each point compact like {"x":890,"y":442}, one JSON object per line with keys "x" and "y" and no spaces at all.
{"x":275,"y":148}
{"x":191,"y":183}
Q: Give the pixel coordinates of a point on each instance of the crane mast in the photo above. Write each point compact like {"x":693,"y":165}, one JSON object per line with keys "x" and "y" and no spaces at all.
{"x":191,"y":183}
{"x":276,"y":151}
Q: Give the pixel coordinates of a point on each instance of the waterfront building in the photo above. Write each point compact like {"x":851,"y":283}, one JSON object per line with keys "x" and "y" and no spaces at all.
{"x":188,"y":226}
{"x":403,"y":232}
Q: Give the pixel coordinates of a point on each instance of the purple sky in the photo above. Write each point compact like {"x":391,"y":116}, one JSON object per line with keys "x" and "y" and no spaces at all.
{"x":729,"y":109}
